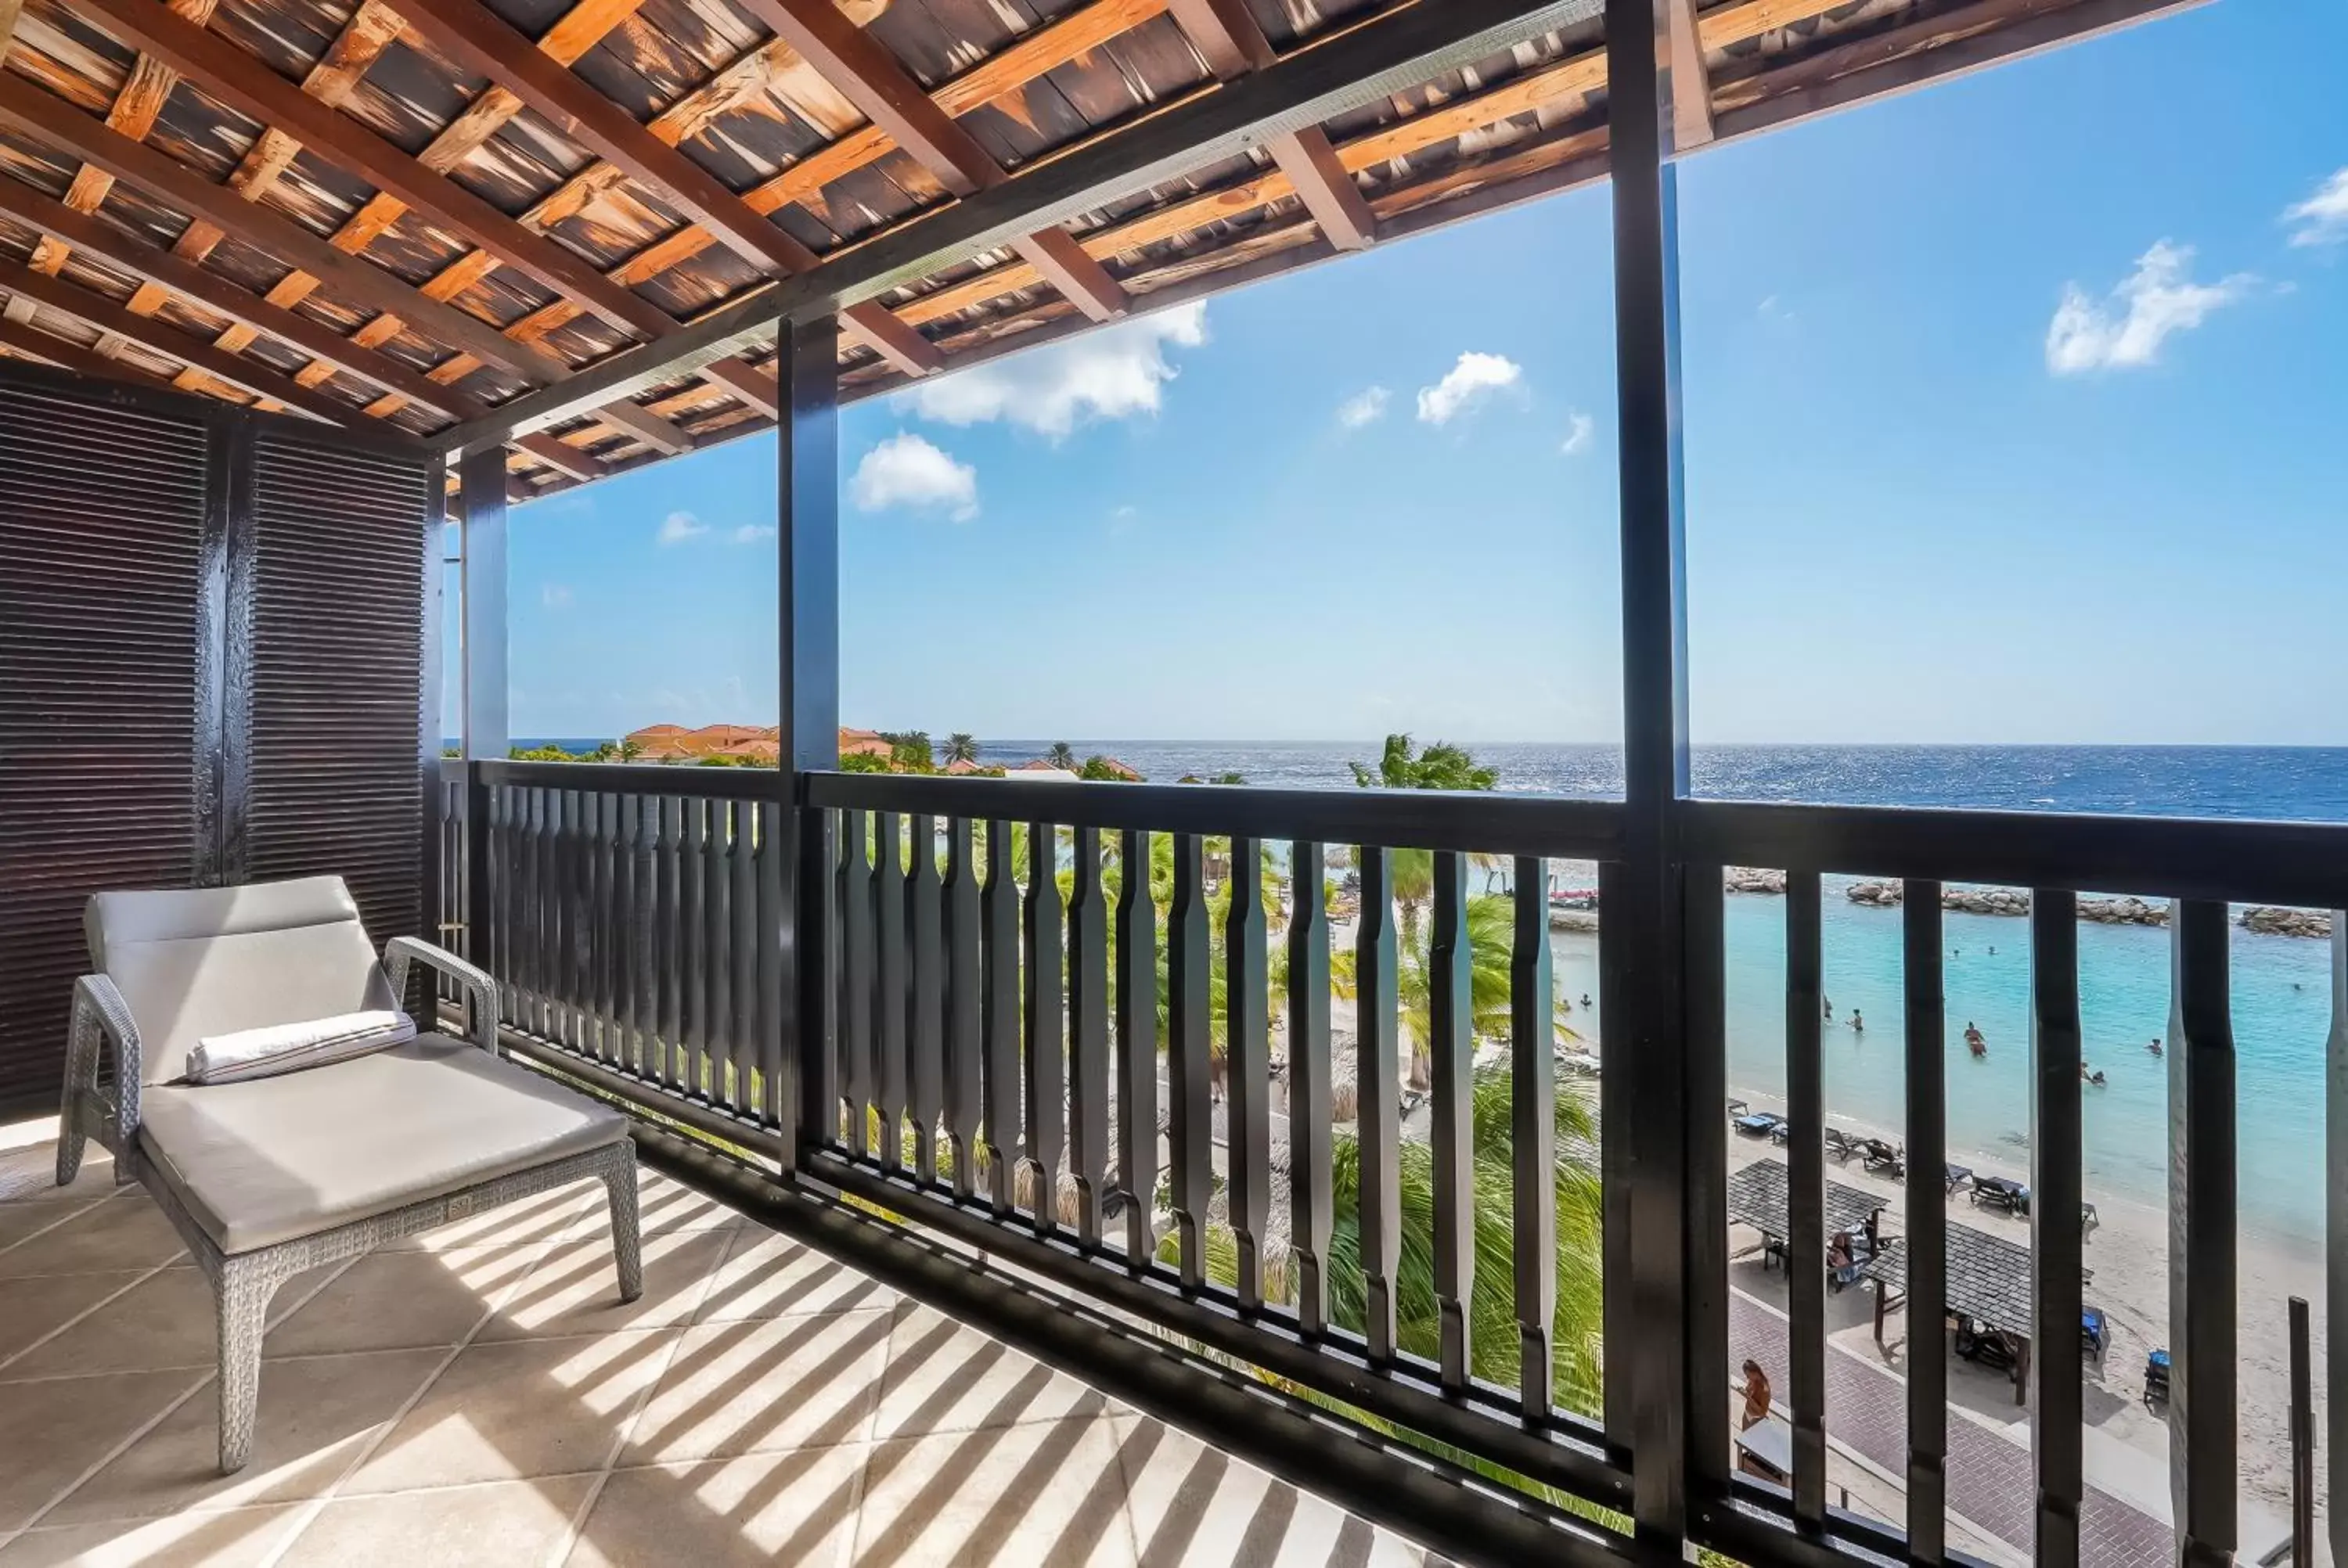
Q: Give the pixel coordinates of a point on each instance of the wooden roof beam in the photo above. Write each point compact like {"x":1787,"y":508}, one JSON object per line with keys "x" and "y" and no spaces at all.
{"x":162,"y":272}
{"x":243,"y":82}
{"x":1227,"y":37}
{"x":861,"y":66}
{"x":561,"y":456}
{"x":1691,"y":82}
{"x":49,"y":118}
{"x":105,"y":316}
{"x":646,"y":426}
{"x":18,"y":333}
{"x":10,"y":11}
{"x":758,"y":389}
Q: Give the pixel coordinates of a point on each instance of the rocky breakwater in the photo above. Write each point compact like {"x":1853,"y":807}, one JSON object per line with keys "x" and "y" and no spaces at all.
{"x":2123,"y":912}
{"x":1753,"y":879}
{"x":2270,"y":920}
{"x":1886,"y":895}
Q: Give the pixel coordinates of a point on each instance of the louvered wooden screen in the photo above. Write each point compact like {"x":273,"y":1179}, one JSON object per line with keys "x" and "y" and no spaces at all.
{"x":337,"y":660}
{"x":102,"y":552}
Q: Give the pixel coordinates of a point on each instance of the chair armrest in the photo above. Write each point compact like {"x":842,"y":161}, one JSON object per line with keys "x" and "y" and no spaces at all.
{"x":99,"y":1013}
{"x":480,"y":991}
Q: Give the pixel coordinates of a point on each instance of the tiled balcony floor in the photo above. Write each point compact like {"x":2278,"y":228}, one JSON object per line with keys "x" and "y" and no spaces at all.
{"x":479,"y":1394}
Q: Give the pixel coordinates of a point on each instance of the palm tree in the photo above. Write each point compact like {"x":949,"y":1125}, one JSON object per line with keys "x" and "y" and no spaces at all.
{"x":1491,"y":940}
{"x":1062,"y":755}
{"x":1495,"y":1347}
{"x":962,"y":746}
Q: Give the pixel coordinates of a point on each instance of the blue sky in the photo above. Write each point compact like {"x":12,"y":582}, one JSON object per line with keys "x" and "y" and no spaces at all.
{"x":2016,"y":410}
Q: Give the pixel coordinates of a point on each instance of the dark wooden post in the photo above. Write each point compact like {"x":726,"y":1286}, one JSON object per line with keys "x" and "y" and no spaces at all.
{"x":2202,"y":1461}
{"x":1643,"y":1090}
{"x":481,"y":505}
{"x":808,"y":647}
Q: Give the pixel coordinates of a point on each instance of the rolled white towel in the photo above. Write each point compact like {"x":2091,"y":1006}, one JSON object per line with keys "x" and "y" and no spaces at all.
{"x":291,"y":1046}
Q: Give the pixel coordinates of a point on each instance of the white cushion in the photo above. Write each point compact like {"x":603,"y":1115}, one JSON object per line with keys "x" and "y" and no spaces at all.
{"x":292,"y":1047}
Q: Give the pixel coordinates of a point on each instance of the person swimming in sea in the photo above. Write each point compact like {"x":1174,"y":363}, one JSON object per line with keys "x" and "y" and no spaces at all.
{"x":1975,"y":1041}
{"x":1857,"y":1024}
{"x":2155,"y":1046}
{"x":2089,"y":1075}
{"x":1585,"y":999}
{"x":1828,"y":1003}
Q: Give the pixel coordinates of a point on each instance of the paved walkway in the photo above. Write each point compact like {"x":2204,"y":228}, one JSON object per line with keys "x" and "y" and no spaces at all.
{"x":1991,"y":1481}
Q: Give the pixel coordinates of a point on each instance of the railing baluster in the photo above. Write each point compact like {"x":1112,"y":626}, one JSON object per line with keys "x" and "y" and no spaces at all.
{"x":1532,"y":1109}
{"x":774,"y":820}
{"x":817,"y":1050}
{"x":606,"y":929}
{"x":1805,"y":1200}
{"x":627,"y":937}
{"x":999,"y":1021}
{"x":925,"y":1026}
{"x":2335,"y":1238}
{"x":1451,"y":1045}
{"x":2055,"y":1230}
{"x":1927,"y":1220}
{"x":1313,"y":1213}
{"x":717,"y":952}
{"x":645,"y":948}
{"x":668,"y":930}
{"x":1190,"y":1127}
{"x":889,"y":991}
{"x":1047,"y":1105}
{"x":1247,"y":1062}
{"x":2202,"y":1290}
{"x":744,"y":959}
{"x":964,"y":1068}
{"x":1088,"y":1036}
{"x":1137,"y":1038}
{"x":569,"y":901}
{"x":538,"y":918}
{"x":693,"y":907}
{"x":856,"y":979}
{"x":1378,"y":1109}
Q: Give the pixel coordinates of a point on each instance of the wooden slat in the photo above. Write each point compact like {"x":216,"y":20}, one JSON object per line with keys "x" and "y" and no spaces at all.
{"x":1247,"y":1061}
{"x":1137,"y":1046}
{"x":109,"y":317}
{"x":67,"y":354}
{"x":757,"y":388}
{"x":999,"y":1016}
{"x":1532,"y":1112}
{"x":890,"y":988}
{"x":1189,"y":1128}
{"x":246,"y":84}
{"x":965,"y":1066}
{"x":162,"y":270}
{"x":1310,"y":1110}
{"x":1377,"y":1110}
{"x":1043,"y":1001}
{"x":645,"y":427}
{"x":1926,"y":1016}
{"x":1806,"y":1176}
{"x":925,"y":1002}
{"x":856,"y":970}
{"x":1088,"y":1058}
{"x":561,"y":456}
{"x":1225,"y":33}
{"x":1691,"y":82}
{"x":1451,"y":1045}
{"x":2056,"y":1131}
{"x":47,"y":118}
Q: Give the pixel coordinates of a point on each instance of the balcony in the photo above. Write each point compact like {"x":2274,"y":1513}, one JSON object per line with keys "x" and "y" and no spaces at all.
{"x":477,"y":1395}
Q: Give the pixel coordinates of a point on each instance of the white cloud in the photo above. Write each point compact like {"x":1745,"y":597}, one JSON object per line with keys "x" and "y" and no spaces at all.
{"x":2126,"y":330}
{"x":554,"y":595}
{"x":2322,"y":217}
{"x":751,"y":533}
{"x":907,"y":471}
{"x":1470,"y":383}
{"x":679,"y":527}
{"x":1364,"y":407}
{"x":1580,"y":431}
{"x":1117,"y":372}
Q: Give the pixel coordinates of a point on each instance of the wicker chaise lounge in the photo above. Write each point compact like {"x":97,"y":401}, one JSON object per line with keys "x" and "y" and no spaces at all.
{"x":266,"y":1177}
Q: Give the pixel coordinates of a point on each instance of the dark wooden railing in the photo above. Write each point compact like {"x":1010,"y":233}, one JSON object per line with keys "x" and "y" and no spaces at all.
{"x":977,"y":1045}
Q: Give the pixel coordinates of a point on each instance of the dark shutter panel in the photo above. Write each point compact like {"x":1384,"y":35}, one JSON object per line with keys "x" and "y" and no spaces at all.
{"x":336,"y":672}
{"x":102,"y":547}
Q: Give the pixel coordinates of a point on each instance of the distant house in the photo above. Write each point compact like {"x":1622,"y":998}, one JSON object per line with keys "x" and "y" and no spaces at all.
{"x":1040,"y":769}
{"x":1118,"y":770}
{"x":962,"y":767}
{"x":863,"y":744}
{"x":676,"y":744}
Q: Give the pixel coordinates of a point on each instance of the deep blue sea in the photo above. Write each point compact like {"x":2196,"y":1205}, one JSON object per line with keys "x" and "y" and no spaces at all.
{"x":2282,"y":986}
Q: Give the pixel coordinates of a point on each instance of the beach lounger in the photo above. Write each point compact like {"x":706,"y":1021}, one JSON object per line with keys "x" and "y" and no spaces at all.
{"x":1881,"y":1158}
{"x":1841,"y":1146}
{"x":1760,"y":1124}
{"x":1737,"y":1106}
{"x":1957,"y":1177}
{"x":2000,"y":1194}
{"x":2155,"y":1380}
{"x":280,"y":1162}
{"x":2095,"y":1333}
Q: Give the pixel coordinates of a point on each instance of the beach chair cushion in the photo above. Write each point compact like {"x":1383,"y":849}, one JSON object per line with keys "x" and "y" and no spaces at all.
{"x":197,"y":961}
{"x":275,"y":1159}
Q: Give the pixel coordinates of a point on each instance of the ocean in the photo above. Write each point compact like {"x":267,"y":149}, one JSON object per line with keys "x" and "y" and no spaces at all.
{"x":2281,"y":985}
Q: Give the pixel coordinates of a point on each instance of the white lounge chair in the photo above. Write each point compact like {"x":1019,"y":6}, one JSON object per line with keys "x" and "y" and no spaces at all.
{"x":266,"y":1177}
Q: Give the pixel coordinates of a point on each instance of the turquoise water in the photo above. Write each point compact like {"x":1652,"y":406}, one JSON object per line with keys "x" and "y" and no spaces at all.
{"x":2282,"y":1012}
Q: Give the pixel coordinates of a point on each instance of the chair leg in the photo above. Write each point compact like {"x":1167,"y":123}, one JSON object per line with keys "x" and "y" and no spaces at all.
{"x":240,"y":1298}
{"x":71,"y":1138}
{"x":620,"y":1187}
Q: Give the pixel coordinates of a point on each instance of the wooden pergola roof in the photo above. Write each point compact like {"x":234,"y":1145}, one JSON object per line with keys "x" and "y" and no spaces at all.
{"x":569,"y":227}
